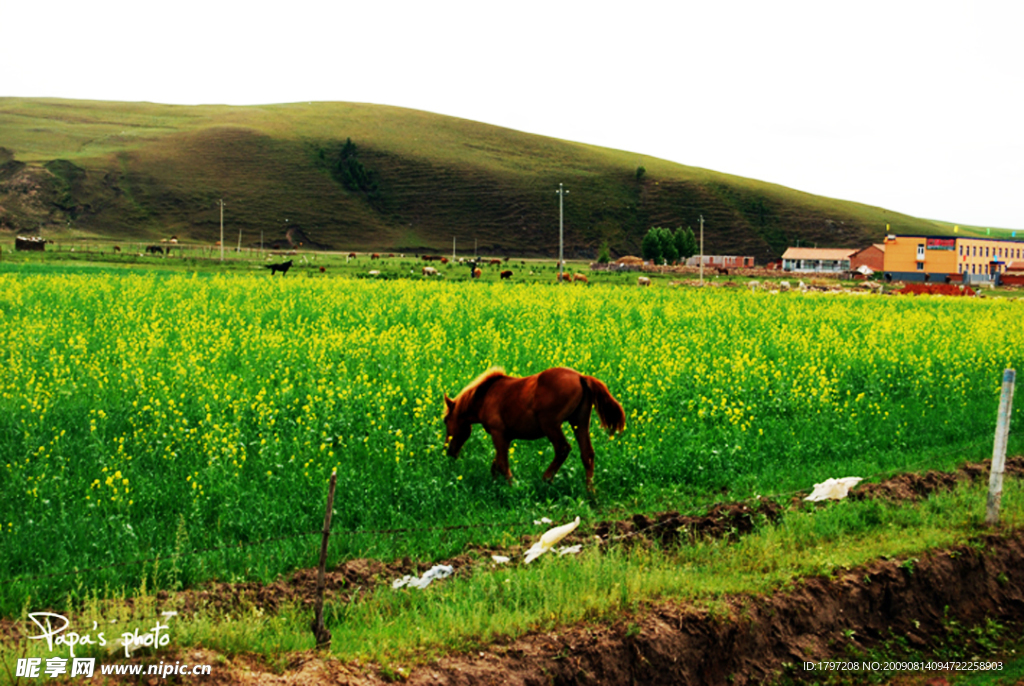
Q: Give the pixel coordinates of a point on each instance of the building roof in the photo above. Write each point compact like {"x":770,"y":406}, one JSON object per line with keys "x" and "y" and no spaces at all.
{"x":877,"y":246}
{"x":818,"y":253}
{"x":993,"y":239}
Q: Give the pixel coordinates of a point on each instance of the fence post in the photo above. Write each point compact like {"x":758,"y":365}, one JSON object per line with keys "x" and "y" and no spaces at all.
{"x":995,"y":479}
{"x":320,"y":632}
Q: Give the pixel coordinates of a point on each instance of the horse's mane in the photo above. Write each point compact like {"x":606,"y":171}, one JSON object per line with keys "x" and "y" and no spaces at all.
{"x":466,"y":394}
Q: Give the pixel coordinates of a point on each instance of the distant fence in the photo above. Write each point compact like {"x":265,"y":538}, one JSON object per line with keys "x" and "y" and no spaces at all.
{"x":750,"y":272}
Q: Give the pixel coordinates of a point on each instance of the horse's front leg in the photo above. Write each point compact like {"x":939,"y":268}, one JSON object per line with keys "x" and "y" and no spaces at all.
{"x":500,"y":465}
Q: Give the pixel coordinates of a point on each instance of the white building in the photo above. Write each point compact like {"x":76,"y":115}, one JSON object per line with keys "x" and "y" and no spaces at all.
{"x":817,"y":259}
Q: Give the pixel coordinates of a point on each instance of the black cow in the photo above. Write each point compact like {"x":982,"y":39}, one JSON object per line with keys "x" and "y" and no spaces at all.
{"x":283,"y":267}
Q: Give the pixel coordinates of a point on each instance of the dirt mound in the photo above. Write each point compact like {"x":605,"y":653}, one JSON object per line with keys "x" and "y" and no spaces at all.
{"x":630,"y":260}
{"x":725,"y":520}
{"x":914,"y":486}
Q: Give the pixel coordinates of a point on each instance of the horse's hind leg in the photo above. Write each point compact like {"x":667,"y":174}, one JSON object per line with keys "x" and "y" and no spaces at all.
{"x":562,"y":450}
{"x":582,"y":432}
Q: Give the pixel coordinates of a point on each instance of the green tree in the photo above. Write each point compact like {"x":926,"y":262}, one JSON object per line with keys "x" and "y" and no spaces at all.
{"x":604,"y":254}
{"x":345,"y":168}
{"x":650,"y":246}
{"x":686,"y":243}
{"x":669,"y":252}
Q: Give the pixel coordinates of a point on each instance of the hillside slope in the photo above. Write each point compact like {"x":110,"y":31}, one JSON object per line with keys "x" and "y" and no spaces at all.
{"x":353,"y":176}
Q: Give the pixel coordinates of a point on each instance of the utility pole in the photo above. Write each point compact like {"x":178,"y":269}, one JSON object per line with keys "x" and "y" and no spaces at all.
{"x":561,"y":230}
{"x":702,"y":250}
{"x":222,"y":229}
{"x":453,"y":248}
{"x":239,"y":251}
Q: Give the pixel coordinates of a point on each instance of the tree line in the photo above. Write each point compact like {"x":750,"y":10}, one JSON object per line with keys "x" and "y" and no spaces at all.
{"x":665,"y":246}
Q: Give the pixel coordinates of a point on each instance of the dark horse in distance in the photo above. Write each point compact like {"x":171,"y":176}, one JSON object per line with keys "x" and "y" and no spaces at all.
{"x":532,"y":407}
{"x":282,"y":267}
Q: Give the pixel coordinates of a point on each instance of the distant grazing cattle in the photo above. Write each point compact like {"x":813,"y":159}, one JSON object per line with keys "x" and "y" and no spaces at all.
{"x":374,"y":272}
{"x":507,"y":274}
{"x":282,"y":267}
{"x":643,"y":281}
{"x":117,"y":248}
{"x":432,"y":258}
{"x":494,"y":262}
{"x":391,"y":254}
{"x":429,"y":271}
{"x":351,"y":255}
{"x":581,"y":278}
{"x":323,"y":269}
{"x":477,"y":273}
{"x":722,"y":270}
{"x":374,"y":256}
{"x":155,"y":249}
{"x":444,"y":260}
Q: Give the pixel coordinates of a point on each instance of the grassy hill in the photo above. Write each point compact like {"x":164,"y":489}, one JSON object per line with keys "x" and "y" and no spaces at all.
{"x":408,"y":181}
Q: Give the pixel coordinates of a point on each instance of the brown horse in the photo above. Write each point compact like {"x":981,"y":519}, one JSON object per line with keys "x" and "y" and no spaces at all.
{"x":530,"y":408}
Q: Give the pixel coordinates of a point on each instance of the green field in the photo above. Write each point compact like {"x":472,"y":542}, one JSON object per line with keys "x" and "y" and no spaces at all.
{"x":149,"y":415}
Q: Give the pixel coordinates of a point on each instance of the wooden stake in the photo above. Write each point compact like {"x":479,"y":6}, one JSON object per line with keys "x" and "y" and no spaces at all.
{"x":995,"y":479}
{"x":320,"y":632}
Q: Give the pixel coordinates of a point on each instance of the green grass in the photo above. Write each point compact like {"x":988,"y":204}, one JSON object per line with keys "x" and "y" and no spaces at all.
{"x":1012,"y":673}
{"x":968,"y":231}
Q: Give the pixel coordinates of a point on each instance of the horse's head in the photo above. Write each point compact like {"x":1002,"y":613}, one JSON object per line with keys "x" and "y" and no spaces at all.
{"x":457,"y":428}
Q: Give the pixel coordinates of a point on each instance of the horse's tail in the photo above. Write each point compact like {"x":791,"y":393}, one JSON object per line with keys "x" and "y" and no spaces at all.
{"x":609,"y":410}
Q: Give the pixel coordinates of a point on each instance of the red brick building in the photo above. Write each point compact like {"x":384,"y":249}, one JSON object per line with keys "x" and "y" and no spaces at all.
{"x":872,"y":256}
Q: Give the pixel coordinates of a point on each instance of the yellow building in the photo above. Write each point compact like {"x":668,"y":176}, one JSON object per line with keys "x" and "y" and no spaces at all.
{"x":934,"y":258}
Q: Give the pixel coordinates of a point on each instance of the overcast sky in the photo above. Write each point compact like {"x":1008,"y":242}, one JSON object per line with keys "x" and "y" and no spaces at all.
{"x":911,"y":106}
